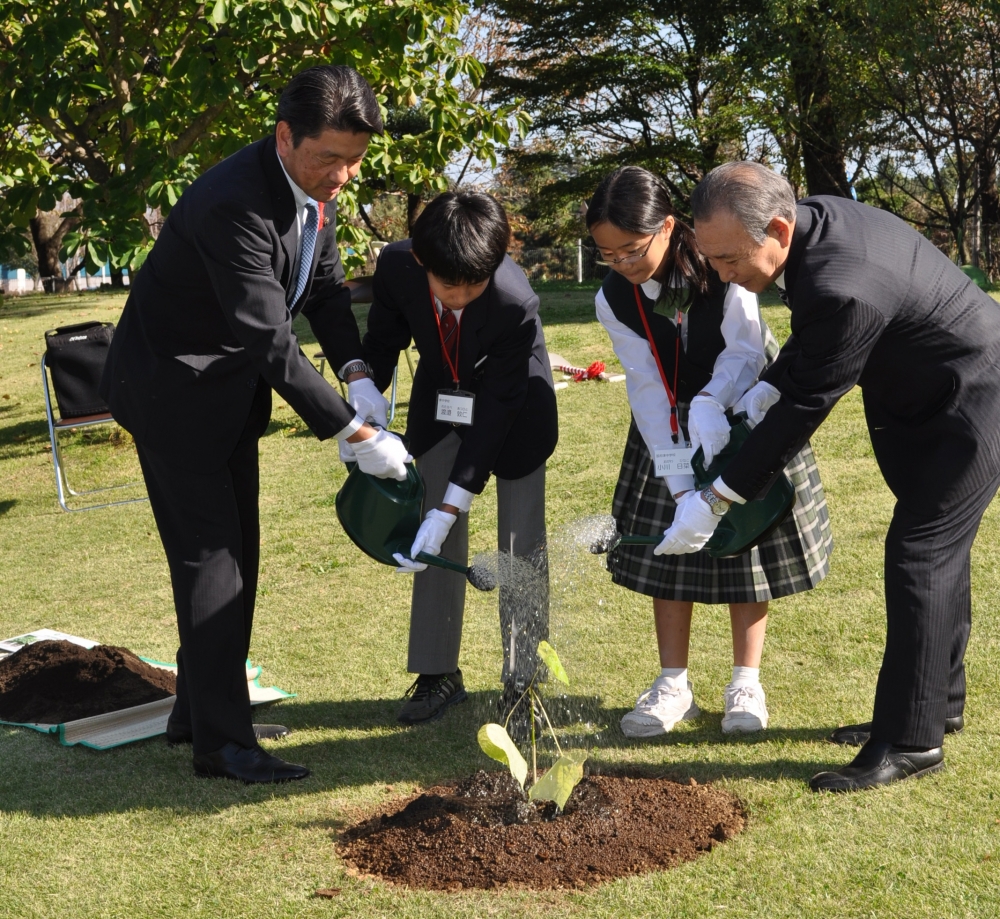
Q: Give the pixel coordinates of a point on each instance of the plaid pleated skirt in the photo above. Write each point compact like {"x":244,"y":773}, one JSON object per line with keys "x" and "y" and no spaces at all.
{"x":795,"y":557}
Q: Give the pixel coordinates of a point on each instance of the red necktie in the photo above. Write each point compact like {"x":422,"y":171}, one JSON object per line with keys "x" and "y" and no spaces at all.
{"x":449,"y":338}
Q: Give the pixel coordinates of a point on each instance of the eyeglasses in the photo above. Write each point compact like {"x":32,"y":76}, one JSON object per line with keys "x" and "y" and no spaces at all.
{"x":626,"y":259}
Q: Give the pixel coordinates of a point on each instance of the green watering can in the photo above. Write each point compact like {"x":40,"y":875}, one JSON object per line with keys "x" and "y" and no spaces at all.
{"x":382,"y":516}
{"x":745,"y":525}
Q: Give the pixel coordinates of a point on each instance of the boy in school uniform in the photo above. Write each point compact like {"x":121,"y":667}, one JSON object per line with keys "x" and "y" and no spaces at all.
{"x":482,"y":404}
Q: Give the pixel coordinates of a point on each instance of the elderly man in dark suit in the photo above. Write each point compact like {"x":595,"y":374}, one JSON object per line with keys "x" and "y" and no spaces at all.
{"x":482,"y":404}
{"x":205,"y":336}
{"x":874,"y":305}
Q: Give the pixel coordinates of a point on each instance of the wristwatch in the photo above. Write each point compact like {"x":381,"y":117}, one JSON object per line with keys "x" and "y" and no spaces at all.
{"x":720,"y":506}
{"x":356,"y":367}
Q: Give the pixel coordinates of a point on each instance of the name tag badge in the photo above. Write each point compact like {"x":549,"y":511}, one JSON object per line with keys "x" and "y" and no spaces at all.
{"x":672,"y":460}
{"x":455,"y":406}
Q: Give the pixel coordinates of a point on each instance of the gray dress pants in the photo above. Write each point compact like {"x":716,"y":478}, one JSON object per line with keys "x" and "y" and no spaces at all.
{"x":439,"y":596}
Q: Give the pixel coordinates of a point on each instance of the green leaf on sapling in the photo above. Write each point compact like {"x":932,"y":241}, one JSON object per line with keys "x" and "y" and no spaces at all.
{"x":558,"y":783}
{"x":551,"y":660}
{"x":496,"y":744}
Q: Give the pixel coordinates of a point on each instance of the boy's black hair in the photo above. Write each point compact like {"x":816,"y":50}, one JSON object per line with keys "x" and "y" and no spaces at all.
{"x":330,"y":96}
{"x":461,"y":237}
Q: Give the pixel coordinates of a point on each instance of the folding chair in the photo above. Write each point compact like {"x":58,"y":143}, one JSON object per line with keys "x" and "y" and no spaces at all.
{"x":63,"y":488}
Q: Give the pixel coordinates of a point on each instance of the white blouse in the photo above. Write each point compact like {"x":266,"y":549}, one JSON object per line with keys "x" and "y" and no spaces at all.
{"x":736,"y":368}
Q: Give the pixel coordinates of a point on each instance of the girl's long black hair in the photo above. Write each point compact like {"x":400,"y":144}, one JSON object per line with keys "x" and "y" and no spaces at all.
{"x":637,"y":201}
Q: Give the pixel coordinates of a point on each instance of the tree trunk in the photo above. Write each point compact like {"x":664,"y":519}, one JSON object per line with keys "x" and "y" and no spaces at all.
{"x":412,"y":206}
{"x":989,"y":217}
{"x":48,"y":228}
{"x":823,"y":156}
{"x":117,"y":278}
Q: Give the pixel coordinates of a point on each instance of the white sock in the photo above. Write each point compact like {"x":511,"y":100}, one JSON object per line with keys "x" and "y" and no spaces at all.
{"x":675,"y":676}
{"x":746,"y":676}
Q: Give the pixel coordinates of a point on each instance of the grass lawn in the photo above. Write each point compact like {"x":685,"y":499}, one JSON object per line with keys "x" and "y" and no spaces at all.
{"x":131,"y":833}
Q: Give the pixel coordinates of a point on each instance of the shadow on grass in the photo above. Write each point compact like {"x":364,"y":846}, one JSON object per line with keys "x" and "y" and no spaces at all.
{"x":42,"y":778}
{"x":30,"y":305}
{"x":7,"y":505}
{"x":25,"y":432}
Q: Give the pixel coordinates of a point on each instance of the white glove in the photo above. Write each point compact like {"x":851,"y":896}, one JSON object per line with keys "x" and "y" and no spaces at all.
{"x":693,"y":526}
{"x":346,"y":451}
{"x":368,"y":402}
{"x":383,"y":456}
{"x":430,"y":537}
{"x":756,"y":401}
{"x":707,"y":426}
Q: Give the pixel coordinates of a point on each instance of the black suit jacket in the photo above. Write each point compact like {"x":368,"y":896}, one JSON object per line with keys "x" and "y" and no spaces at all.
{"x":875,"y":304}
{"x":502,"y":359}
{"x":207,"y":320}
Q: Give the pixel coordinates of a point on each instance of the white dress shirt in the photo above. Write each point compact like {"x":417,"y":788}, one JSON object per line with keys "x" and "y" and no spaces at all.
{"x":736,"y":368}
{"x":301,"y":214}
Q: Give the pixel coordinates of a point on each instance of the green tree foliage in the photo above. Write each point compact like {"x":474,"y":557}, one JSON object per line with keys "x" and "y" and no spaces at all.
{"x":650,"y":84}
{"x":122,"y":103}
{"x":539,"y":219}
{"x":937,"y":84}
{"x":807,"y":66}
{"x":679,"y":87}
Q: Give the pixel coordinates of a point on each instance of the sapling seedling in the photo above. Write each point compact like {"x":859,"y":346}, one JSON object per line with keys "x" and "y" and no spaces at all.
{"x":566,"y":772}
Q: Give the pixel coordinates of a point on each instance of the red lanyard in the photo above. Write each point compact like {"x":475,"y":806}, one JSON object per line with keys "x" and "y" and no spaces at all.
{"x":452,"y":366}
{"x":671,"y":397}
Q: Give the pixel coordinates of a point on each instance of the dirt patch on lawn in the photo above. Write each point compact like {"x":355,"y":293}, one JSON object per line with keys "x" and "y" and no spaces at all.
{"x":50,"y":682}
{"x":482,"y":833}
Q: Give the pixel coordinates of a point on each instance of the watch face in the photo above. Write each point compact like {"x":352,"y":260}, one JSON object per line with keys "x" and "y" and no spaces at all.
{"x":718,"y":505}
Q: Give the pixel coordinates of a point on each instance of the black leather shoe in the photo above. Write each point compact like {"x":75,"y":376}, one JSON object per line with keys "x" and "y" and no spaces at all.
{"x":856,"y":735}
{"x":254,"y":765}
{"x":181,"y":733}
{"x":879,"y":763}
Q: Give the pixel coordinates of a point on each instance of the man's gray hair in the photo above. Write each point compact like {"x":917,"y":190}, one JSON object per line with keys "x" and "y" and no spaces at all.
{"x":750,"y":192}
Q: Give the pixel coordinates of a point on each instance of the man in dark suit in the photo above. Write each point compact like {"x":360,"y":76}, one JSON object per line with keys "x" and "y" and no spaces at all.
{"x":482,"y":403}
{"x":205,"y":335}
{"x":873,"y":304}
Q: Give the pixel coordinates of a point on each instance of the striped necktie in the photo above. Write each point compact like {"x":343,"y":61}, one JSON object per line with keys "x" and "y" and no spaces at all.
{"x":308,"y":248}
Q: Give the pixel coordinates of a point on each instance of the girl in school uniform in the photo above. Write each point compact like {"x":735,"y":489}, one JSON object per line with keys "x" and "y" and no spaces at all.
{"x":691,"y":346}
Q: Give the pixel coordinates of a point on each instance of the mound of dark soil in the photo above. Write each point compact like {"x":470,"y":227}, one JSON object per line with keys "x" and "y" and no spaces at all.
{"x":482,"y":833}
{"x":50,"y":682}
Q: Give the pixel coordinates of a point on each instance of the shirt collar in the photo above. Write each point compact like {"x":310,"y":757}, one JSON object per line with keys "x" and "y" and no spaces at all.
{"x":652,"y":287}
{"x":780,"y":280}
{"x":301,"y":198}
{"x":456,"y":313}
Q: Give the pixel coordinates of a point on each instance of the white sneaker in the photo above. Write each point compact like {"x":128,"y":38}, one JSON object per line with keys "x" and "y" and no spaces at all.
{"x":659,"y":708}
{"x":746,"y":709}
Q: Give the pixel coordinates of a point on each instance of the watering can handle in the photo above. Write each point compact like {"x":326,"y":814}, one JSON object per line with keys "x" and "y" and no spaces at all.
{"x":639,"y":540}
{"x":437,"y":562}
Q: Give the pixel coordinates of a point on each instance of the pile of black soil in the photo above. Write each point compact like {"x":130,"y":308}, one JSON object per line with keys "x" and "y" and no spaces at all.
{"x":50,"y":682}
{"x":482,"y":833}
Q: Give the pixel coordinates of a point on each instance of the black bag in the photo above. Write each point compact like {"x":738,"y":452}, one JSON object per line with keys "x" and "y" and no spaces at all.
{"x":75,"y":356}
